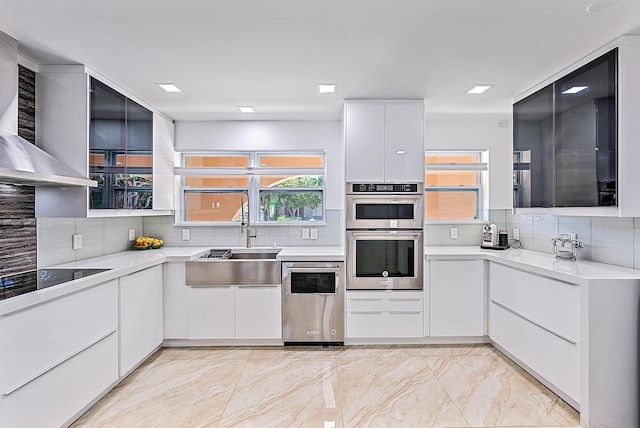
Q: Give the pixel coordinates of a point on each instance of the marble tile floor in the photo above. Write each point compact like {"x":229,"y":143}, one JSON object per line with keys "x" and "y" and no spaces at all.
{"x":351,"y":386}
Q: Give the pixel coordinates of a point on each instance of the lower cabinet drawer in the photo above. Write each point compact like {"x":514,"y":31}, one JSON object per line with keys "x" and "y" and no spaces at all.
{"x":38,"y":338}
{"x":55,"y":397}
{"x":554,"y":358}
{"x":382,"y":324}
{"x":410,"y":304}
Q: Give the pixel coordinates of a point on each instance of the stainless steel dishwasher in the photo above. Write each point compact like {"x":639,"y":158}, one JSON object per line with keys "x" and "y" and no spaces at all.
{"x":313,"y":303}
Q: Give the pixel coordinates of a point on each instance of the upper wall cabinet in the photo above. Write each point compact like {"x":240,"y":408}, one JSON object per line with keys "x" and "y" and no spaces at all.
{"x":574,"y":141}
{"x":384,"y":140}
{"x":106,"y":135}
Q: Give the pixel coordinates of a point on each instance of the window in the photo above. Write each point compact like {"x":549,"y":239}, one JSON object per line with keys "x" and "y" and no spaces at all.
{"x":455,"y":185}
{"x":270,"y":187}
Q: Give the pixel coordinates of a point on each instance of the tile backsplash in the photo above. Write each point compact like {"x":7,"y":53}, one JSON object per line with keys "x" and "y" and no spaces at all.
{"x":102,"y":236}
{"x":611,"y":240}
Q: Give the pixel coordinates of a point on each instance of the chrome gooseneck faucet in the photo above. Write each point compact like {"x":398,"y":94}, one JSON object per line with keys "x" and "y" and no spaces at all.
{"x":248,"y":222}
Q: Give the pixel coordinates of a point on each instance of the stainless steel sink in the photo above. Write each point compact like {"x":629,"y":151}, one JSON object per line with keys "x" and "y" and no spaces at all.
{"x":251,"y":266}
{"x":254,"y":255}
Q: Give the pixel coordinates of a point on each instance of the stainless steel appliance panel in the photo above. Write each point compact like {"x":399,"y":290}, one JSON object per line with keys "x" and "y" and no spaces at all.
{"x":313,"y":302}
{"x":385,"y":260}
{"x":385,"y":212}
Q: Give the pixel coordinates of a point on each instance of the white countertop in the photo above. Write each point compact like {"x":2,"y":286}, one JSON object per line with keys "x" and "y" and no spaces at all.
{"x":312,"y":254}
{"x":579,"y":271}
{"x":127,"y":262}
{"x":119,"y":264}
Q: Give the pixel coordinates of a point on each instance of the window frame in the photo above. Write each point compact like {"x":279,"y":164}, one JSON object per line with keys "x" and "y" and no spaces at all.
{"x":254,"y":172}
{"x":481,"y":189}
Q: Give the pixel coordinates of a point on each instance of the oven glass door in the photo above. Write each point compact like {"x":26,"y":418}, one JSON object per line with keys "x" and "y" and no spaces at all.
{"x":375,"y":258}
{"x":384,"y":260}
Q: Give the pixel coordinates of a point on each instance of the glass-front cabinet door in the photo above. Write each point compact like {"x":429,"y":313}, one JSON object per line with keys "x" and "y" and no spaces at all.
{"x":565,"y":140}
{"x":121,"y":150}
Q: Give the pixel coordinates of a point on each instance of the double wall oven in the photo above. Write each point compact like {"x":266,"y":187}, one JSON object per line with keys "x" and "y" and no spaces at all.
{"x":384,"y":236}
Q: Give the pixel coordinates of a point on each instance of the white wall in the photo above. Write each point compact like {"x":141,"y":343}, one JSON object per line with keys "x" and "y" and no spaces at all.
{"x":474,"y":132}
{"x":271,"y":135}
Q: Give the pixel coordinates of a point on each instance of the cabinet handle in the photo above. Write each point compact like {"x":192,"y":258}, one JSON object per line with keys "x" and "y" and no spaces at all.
{"x":404,"y":312}
{"x":365,"y":300}
{"x":555,"y":333}
{"x":366,"y":313}
{"x":403,"y":300}
{"x":54,"y":365}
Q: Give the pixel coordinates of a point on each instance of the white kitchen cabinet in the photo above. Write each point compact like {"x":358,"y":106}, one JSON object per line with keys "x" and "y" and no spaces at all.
{"x":61,"y":354}
{"x":537,"y":320}
{"x":456,"y":297}
{"x":174,"y":300}
{"x":384,"y":140}
{"x":140,"y":316}
{"x":63,"y":126}
{"x":210,"y":312}
{"x":258,"y":312}
{"x":384,"y":314}
{"x":234,"y":312}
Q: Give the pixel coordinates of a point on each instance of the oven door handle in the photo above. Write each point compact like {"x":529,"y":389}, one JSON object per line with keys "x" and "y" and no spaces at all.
{"x":395,"y":199}
{"x":313,"y":270}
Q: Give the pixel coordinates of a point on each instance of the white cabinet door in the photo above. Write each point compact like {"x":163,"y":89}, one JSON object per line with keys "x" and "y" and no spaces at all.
{"x":140,"y":316}
{"x":404,"y":142}
{"x":210,"y":313}
{"x":174,"y":300}
{"x":457,"y":297}
{"x":163,"y":163}
{"x":364,"y":140}
{"x":258,"y":313}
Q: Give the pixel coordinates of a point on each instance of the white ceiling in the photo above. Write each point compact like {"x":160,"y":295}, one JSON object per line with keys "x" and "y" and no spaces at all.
{"x":272,"y":53}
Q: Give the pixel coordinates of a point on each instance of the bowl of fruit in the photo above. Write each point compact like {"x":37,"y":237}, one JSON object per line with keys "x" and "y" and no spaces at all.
{"x":147,"y":242}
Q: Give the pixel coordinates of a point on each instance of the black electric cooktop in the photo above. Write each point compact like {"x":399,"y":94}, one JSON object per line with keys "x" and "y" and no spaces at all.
{"x":25,"y":282}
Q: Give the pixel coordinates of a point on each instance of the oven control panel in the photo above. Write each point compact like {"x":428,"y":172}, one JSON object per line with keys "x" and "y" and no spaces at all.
{"x":384,"y":188}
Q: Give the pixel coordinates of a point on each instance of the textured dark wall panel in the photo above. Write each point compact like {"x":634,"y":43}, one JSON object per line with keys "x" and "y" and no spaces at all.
{"x":27,"y":104}
{"x":18,"y":233}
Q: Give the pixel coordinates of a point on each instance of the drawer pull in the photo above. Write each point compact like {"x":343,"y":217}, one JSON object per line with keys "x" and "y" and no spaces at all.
{"x":404,"y":312}
{"x":555,"y":333}
{"x":404,"y":300}
{"x":366,"y":313}
{"x":365,"y":300}
{"x":53,"y":366}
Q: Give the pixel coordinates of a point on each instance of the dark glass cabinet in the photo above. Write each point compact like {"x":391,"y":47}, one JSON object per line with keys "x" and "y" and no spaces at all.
{"x":565,"y":140}
{"x":120,"y":150}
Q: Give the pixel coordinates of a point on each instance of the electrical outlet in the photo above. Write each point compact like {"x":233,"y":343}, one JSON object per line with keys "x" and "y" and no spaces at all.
{"x":314,"y":233}
{"x":186,"y":234}
{"x":516,"y":233}
{"x":454,"y":233}
{"x":305,"y":233}
{"x":132,"y":234}
{"x":77,"y":242}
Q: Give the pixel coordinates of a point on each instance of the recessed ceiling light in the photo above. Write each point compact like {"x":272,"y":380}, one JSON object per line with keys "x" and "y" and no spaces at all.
{"x":401,"y":152}
{"x":327,"y":88}
{"x":246,"y":109}
{"x":169,"y":87}
{"x":478,"y":89}
{"x":575,"y":89}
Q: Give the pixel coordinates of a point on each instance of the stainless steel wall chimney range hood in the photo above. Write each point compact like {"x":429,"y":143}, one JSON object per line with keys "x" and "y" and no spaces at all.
{"x":20,"y":161}
{"x":23,"y":163}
